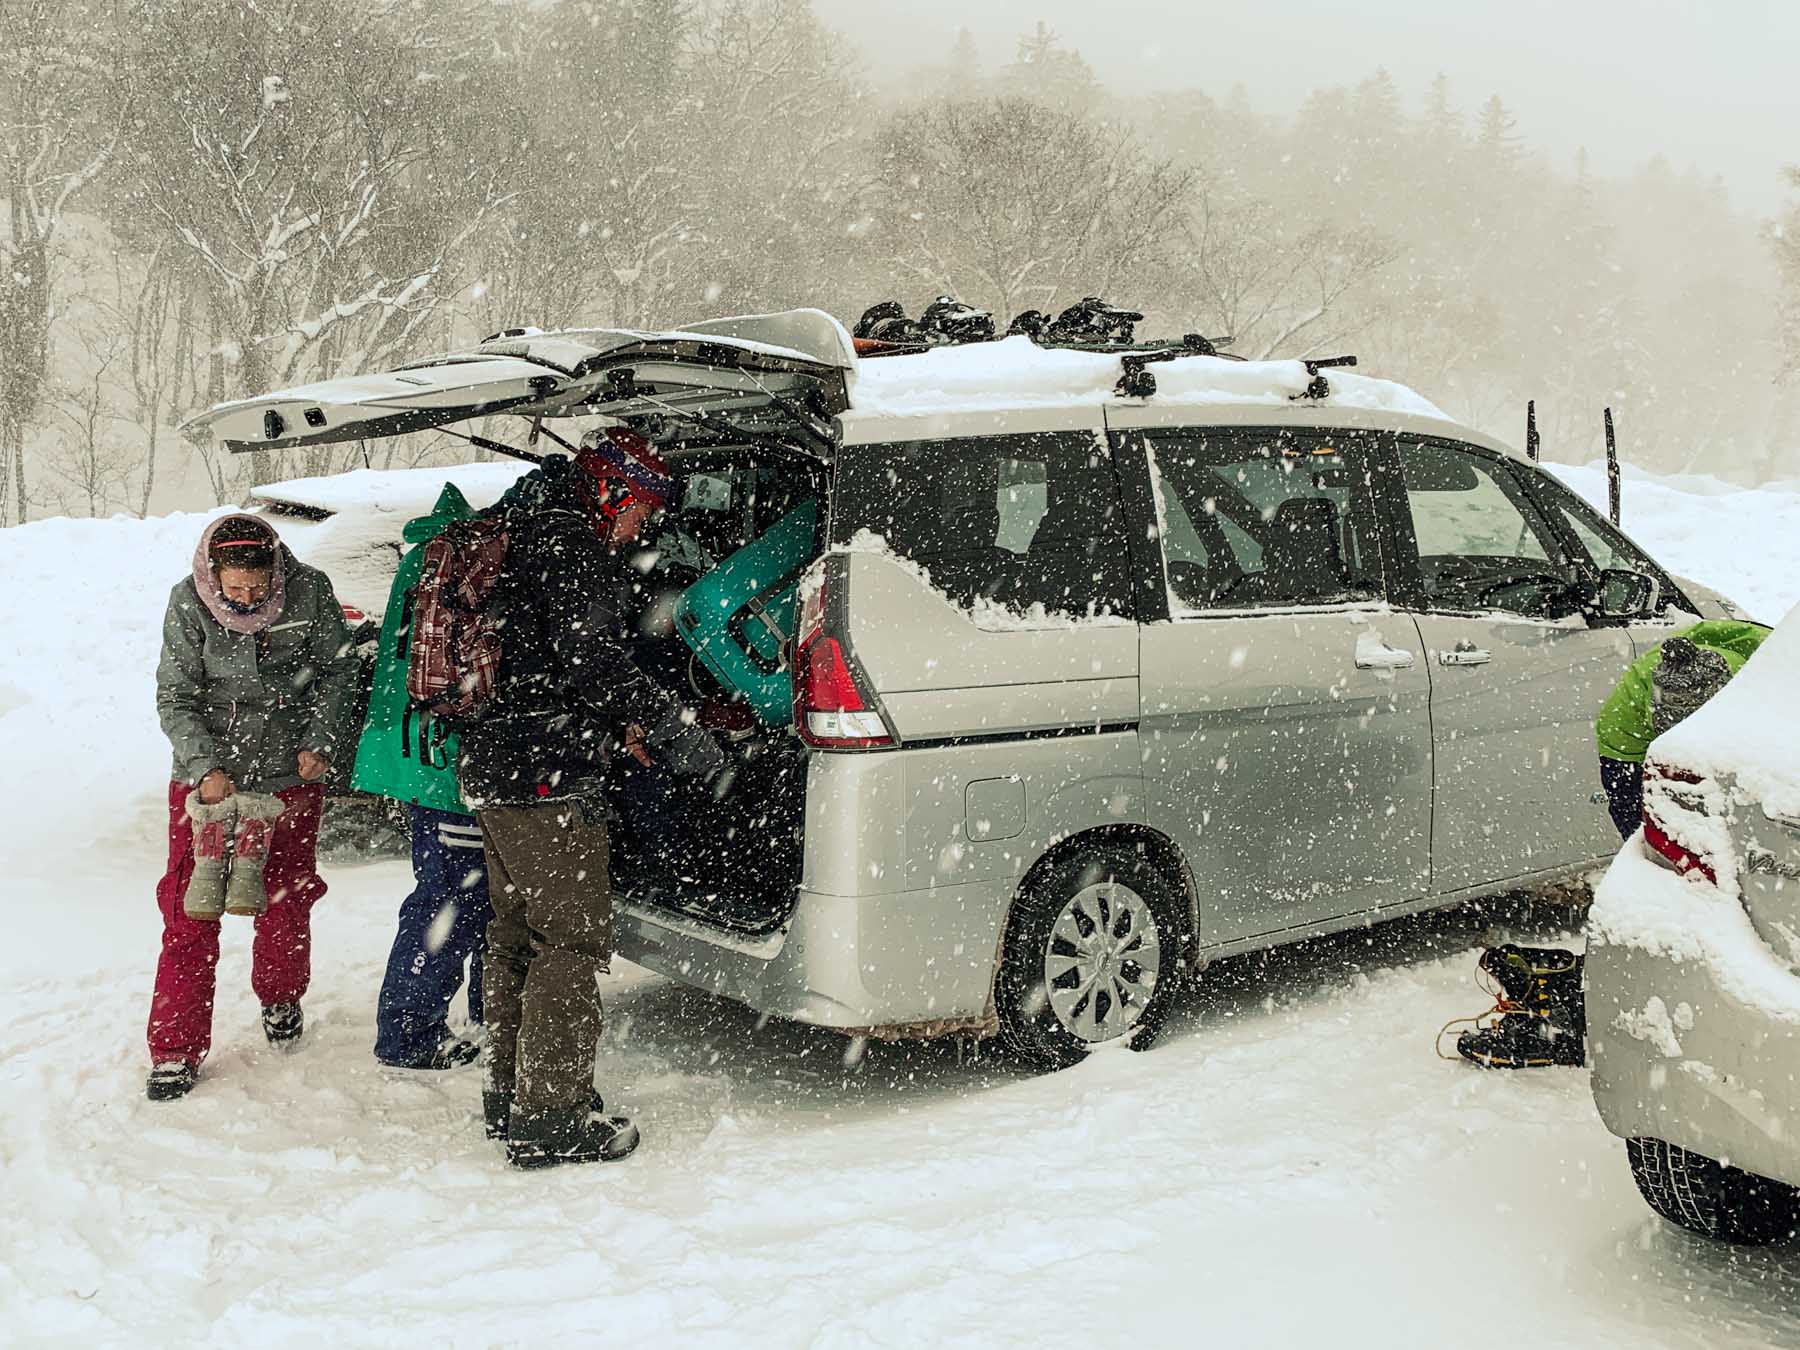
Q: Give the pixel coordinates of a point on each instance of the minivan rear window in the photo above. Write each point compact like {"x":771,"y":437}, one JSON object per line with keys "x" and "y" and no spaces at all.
{"x":1022,"y":520}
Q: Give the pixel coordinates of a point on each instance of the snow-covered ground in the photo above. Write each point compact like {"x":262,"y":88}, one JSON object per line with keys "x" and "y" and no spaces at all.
{"x":1291,"y":1166}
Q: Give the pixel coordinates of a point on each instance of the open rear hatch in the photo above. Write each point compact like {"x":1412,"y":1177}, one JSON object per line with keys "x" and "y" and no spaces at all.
{"x":780,"y":374}
{"x":735,"y":385}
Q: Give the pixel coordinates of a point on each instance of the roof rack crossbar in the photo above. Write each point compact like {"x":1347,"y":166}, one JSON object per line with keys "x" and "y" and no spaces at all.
{"x":1137,"y":382}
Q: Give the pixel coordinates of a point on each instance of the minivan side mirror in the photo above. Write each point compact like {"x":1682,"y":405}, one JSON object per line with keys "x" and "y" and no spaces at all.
{"x":1624,"y":594}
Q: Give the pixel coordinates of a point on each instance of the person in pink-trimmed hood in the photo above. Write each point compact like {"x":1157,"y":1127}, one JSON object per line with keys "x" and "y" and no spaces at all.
{"x":252,"y":688}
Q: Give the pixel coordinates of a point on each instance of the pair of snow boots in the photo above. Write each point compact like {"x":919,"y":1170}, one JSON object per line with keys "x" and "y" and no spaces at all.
{"x":1539,"y":1017}
{"x":231,"y":847}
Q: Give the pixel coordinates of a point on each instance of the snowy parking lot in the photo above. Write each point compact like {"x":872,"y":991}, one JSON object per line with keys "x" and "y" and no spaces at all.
{"x":1291,"y":1165}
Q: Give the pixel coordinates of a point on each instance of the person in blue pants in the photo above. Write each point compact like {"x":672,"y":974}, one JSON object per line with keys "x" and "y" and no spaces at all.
{"x":410,"y":756}
{"x":442,"y":927}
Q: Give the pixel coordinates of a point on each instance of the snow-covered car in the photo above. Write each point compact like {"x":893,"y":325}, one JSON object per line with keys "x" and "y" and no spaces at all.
{"x":1057,"y":672}
{"x":1693,"y":967}
{"x":348,"y":525}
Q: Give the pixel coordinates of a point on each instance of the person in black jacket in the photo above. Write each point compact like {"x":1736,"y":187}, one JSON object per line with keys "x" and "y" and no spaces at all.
{"x":566,"y":699}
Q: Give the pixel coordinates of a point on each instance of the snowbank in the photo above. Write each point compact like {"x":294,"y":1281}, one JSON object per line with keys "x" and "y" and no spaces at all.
{"x":1744,"y":542}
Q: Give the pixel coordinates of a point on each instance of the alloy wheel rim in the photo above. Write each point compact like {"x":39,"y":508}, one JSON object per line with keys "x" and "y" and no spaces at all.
{"x":1102,"y":961}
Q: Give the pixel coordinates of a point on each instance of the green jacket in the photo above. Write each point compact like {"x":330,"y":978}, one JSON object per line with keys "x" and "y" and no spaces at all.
{"x":1623,"y":729}
{"x":249,"y":702}
{"x":404,"y":753}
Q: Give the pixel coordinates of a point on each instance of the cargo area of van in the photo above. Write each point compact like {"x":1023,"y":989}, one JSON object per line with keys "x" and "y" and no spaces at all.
{"x":715,"y":623}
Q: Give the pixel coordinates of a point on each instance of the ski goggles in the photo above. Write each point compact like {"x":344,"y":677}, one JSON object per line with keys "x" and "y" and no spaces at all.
{"x":616,"y":500}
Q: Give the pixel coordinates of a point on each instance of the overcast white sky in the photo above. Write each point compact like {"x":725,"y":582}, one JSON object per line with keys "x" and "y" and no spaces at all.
{"x":1713,"y":84}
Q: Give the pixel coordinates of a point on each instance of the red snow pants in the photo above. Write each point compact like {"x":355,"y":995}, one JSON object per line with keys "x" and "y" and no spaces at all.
{"x":281,"y":954}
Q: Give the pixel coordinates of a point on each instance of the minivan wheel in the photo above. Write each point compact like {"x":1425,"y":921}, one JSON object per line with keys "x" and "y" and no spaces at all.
{"x":1093,"y":952}
{"x":1713,"y":1198}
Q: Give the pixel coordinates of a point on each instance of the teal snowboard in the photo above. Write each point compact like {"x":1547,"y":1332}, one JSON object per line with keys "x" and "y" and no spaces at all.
{"x":739,"y":617}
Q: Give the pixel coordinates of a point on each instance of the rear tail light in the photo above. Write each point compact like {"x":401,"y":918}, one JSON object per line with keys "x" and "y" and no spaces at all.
{"x":1662,"y":787}
{"x":831,"y":710}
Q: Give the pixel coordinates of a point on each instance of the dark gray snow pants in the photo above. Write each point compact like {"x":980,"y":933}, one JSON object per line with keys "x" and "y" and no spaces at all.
{"x":547,"y":945}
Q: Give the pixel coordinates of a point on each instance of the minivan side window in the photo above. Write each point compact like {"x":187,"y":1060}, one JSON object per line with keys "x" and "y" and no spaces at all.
{"x":1022,"y":520}
{"x":1482,"y":543}
{"x":1254,"y":519}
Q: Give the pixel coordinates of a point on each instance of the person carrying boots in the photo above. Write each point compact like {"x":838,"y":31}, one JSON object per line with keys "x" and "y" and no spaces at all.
{"x":251,"y":688}
{"x":1541,"y":1010}
{"x":410,"y":756}
{"x":566,"y":697}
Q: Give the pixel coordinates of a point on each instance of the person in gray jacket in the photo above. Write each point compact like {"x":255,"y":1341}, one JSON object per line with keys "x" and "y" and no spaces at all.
{"x":252,"y":690}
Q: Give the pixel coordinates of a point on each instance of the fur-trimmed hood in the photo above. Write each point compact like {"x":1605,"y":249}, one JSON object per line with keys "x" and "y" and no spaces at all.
{"x":206,"y":583}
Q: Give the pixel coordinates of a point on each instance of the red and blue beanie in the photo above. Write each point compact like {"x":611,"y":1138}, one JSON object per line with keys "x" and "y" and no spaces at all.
{"x":618,"y":453}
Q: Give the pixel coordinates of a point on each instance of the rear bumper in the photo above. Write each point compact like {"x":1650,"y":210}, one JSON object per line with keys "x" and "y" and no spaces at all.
{"x":1693,"y":1025}
{"x":915,"y":963}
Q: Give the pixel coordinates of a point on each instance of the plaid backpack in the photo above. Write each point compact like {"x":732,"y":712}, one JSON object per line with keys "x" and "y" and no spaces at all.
{"x":454,"y":651}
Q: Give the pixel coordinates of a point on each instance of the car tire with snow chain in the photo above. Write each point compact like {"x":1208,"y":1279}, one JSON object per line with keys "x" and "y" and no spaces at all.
{"x":1713,"y":1198}
{"x":1095,"y":949}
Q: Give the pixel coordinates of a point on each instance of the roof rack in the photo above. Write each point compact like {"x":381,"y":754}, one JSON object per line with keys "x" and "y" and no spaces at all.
{"x":1090,"y":325}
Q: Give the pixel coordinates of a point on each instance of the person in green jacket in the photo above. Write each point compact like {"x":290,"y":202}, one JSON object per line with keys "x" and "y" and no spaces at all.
{"x":1542,"y":1012}
{"x":1658,"y":689}
{"x":410,"y":756}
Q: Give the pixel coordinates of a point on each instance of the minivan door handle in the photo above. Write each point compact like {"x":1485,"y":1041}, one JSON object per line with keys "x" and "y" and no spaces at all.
{"x":1374,"y":654}
{"x":1465,"y":653}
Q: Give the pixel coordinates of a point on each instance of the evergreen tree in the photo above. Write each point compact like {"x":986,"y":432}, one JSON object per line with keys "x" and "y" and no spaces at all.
{"x":1496,"y":136}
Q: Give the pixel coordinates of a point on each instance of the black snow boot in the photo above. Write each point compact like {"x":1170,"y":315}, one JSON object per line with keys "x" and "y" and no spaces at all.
{"x":452,"y":1052}
{"x":171,"y":1079}
{"x":550,"y":1138}
{"x":282,"y":1023}
{"x":497,"y":1105}
{"x":1541,"y":1012}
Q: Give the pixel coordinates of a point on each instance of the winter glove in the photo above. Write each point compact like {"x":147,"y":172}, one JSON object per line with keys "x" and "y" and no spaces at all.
{"x":687,"y":749}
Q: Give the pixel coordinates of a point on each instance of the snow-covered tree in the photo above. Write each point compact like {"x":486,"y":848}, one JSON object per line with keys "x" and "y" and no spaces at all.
{"x":1786,"y":238}
{"x":54,"y":143}
{"x":319,"y":174}
{"x":1276,"y":285}
{"x":1013,"y":205}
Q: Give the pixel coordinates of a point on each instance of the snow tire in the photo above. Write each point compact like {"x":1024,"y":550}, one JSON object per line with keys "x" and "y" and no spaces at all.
{"x":1031,"y":1027}
{"x":1713,"y":1198}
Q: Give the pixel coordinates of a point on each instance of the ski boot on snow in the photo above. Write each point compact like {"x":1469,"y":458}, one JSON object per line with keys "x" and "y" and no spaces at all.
{"x":551,"y":1138}
{"x":282,"y":1023}
{"x":1540,"y":1015}
{"x":170,"y":1079}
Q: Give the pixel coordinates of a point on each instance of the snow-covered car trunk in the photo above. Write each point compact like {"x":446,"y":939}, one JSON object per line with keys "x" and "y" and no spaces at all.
{"x":1693,"y":975}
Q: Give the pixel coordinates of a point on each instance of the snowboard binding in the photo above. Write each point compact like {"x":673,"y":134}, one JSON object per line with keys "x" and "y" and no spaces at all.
{"x":1539,"y":1017}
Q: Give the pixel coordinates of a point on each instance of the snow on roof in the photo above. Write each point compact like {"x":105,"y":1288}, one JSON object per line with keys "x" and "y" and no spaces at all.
{"x":1017,"y":373}
{"x":1747,"y":729}
{"x":403,"y":493}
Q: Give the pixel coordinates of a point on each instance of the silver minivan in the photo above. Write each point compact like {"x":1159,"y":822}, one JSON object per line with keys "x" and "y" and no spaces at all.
{"x":1097,"y":673}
